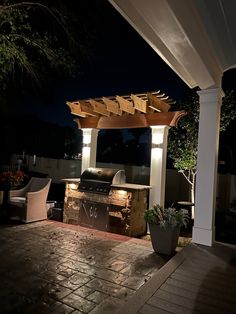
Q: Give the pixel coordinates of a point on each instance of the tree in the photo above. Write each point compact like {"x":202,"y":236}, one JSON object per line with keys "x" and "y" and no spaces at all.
{"x":43,"y":43}
{"x":29,"y":46}
{"x":183,"y":140}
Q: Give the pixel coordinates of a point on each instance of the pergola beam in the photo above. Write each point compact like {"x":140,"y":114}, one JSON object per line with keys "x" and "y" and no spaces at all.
{"x":157,"y":103}
{"x":86,"y":109}
{"x":99,"y":107}
{"x":125,"y":105}
{"x":139,"y":103}
{"x":112,"y":106}
{"x":137,"y":120}
{"x":121,"y":105}
{"x":75,"y":108}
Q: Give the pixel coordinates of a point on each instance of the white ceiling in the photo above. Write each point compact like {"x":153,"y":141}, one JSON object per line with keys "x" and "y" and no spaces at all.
{"x":196,"y":38}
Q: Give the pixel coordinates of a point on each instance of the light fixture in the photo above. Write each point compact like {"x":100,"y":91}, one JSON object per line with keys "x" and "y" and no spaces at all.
{"x":86,"y":136}
{"x":73,"y":186}
{"x":86,"y":144}
{"x":157,"y":145}
{"x":86,"y":151}
{"x":157,"y":136}
{"x":122,"y":192}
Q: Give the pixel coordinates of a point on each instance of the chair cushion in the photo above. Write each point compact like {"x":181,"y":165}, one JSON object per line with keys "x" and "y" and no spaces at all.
{"x":37,"y":184}
{"x":17,"y":199}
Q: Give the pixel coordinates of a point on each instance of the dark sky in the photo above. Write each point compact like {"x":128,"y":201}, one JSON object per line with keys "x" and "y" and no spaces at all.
{"x":122,"y":63}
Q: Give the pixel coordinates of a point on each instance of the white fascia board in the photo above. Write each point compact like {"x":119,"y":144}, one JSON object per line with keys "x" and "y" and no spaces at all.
{"x":157,"y":23}
{"x":204,"y":59}
{"x":132,"y":16}
{"x":220,"y":24}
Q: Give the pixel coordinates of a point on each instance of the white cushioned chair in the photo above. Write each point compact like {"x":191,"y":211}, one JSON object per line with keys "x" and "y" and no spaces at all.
{"x":29,"y":203}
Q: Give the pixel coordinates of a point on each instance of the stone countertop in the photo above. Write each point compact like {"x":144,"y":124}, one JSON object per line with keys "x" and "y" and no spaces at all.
{"x":71,"y":180}
{"x":130,"y":186}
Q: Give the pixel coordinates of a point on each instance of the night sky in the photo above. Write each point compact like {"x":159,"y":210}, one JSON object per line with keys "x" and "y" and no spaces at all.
{"x":122,"y":63}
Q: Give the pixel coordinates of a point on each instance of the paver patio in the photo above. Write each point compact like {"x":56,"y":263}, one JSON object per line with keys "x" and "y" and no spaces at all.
{"x":51,"y":267}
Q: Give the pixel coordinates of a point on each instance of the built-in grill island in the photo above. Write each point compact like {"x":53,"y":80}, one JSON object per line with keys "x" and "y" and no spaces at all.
{"x":101,"y":199}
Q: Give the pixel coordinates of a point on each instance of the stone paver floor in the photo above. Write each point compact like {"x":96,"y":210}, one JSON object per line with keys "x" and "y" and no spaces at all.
{"x":51,"y":267}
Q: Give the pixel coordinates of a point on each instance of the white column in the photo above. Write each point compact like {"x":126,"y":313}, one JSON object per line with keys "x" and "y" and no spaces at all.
{"x":208,"y":141}
{"x":89,"y":150}
{"x":158,"y":165}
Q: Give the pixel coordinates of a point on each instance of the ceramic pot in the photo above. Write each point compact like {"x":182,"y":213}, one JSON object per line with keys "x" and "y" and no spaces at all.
{"x":164,"y":240}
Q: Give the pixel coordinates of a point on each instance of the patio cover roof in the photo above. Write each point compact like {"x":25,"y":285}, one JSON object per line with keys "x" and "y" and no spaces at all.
{"x":196,"y":38}
{"x":128,"y":111}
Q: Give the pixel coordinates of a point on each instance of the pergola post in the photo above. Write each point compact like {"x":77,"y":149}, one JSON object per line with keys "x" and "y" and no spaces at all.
{"x":89,"y":150}
{"x":208,"y":141}
{"x":158,"y":165}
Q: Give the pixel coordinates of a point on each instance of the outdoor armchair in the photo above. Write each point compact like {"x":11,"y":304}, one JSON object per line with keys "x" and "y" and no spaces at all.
{"x":29,"y":203}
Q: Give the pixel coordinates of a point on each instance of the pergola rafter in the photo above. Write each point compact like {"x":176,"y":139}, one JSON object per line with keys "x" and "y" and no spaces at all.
{"x":126,"y":111}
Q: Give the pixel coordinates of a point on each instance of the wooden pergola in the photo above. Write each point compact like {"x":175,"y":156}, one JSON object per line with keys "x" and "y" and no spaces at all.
{"x":128,"y":111}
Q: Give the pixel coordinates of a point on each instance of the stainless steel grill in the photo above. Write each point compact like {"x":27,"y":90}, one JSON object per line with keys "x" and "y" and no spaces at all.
{"x":95,"y":213}
{"x":100,"y":180}
{"x":104,"y":201}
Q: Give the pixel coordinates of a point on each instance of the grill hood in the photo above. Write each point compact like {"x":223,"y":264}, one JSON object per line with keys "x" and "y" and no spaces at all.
{"x":99,"y":180}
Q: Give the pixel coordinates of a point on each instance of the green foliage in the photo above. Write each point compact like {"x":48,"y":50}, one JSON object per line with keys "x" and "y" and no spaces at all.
{"x":182,"y":143}
{"x":166,"y":216}
{"x":228,"y":110}
{"x":33,"y":39}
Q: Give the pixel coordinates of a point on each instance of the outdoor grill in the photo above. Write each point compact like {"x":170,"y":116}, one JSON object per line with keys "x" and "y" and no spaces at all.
{"x":100,"y":180}
{"x":101,"y":199}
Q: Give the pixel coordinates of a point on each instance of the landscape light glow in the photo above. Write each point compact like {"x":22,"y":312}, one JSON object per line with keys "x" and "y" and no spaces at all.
{"x":122,"y":192}
{"x":157,"y":137}
{"x":87,"y":136}
{"x":73,"y":186}
{"x":86,"y":151}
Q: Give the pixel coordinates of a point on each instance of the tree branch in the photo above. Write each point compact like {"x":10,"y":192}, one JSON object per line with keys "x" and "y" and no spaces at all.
{"x":42,"y":7}
{"x":189,"y":181}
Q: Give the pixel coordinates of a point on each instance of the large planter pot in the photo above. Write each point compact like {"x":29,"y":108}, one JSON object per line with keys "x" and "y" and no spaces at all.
{"x":164,"y":240}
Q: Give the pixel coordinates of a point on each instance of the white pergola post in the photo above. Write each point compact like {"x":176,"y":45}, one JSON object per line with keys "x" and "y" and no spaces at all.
{"x":158,"y":165}
{"x":89,"y":150}
{"x":208,"y":140}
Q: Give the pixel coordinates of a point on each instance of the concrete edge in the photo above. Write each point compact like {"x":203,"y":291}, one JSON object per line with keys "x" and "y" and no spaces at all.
{"x":134,"y":303}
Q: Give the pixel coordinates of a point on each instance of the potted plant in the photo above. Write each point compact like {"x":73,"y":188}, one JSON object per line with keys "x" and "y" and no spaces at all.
{"x":12,"y":178}
{"x":164,"y":225}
